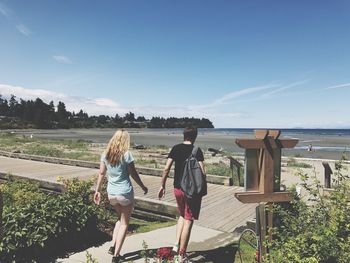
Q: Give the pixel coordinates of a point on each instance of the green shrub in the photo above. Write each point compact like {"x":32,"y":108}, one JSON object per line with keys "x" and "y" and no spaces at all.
{"x":18,"y":192}
{"x":315,"y":230}
{"x":220,"y":169}
{"x":37,"y":228}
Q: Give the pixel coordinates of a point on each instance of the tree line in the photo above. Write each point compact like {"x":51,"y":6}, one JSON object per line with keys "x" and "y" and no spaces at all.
{"x":38,"y":114}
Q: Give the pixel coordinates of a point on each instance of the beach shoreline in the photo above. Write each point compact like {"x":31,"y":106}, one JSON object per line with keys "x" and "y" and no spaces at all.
{"x":324,"y":146}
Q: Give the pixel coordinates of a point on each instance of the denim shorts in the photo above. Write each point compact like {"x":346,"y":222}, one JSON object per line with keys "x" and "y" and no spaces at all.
{"x":123,"y":200}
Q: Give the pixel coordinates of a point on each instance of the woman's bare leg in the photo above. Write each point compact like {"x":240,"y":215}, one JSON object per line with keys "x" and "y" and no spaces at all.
{"x":115,"y":231}
{"x":125,"y":213}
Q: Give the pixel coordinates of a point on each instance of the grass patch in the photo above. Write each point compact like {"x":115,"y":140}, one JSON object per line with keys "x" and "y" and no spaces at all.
{"x":222,"y":169}
{"x":141,"y":226}
{"x":244,"y":252}
{"x":70,"y":149}
{"x":147,"y":162}
{"x":43,"y":150}
{"x":136,"y":225}
{"x":294,"y":163}
{"x":218,"y":169}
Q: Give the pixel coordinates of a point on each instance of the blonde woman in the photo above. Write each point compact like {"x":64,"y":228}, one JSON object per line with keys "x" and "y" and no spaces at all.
{"x":118,"y":163}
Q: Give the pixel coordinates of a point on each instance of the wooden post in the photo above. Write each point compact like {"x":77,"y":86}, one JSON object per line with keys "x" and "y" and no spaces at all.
{"x":262,"y":219}
{"x":1,"y":209}
{"x":270,"y":220}
{"x":234,"y":164}
{"x":327,"y":174}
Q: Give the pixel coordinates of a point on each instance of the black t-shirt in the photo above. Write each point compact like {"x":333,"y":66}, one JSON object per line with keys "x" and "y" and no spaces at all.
{"x":179,"y":153}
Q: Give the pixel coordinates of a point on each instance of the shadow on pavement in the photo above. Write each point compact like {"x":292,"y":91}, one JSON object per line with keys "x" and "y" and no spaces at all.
{"x":217,"y":255}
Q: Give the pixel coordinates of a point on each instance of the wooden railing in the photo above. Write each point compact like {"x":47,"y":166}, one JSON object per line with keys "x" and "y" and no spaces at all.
{"x":214,"y":179}
{"x":144,"y":207}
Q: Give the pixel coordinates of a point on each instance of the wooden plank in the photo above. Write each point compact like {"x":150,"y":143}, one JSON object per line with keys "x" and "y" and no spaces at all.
{"x":266,"y":174}
{"x":251,"y":170}
{"x":259,"y":143}
{"x":262,"y":134}
{"x":256,"y":197}
{"x":288,"y":143}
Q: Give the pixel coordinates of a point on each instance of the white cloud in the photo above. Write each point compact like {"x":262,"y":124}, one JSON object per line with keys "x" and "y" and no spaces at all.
{"x":62,"y":59}
{"x":23,"y":29}
{"x":27,"y":94}
{"x":105,"y":102}
{"x":227,"y":98}
{"x":346,"y":85}
{"x":91,"y":106}
{"x":298,"y":83}
{"x":5,"y":11}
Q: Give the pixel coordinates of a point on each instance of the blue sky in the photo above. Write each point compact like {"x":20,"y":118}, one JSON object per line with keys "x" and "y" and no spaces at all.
{"x":271,"y":64}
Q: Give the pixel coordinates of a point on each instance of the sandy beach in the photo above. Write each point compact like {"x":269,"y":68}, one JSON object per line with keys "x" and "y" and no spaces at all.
{"x":325,"y":146}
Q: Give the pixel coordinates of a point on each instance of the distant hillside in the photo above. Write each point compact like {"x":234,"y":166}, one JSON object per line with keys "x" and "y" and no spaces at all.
{"x":38,"y":114}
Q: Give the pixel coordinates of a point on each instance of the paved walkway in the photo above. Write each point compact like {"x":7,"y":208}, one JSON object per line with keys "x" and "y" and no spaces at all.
{"x":206,"y":245}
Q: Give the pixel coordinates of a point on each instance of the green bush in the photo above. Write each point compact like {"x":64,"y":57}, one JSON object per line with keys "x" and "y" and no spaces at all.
{"x":315,"y":230}
{"x":36,"y":228}
{"x":19,"y":192}
{"x":220,"y":169}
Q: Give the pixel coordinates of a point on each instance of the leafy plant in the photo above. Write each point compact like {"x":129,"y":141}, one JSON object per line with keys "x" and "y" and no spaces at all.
{"x":220,"y":169}
{"x":90,"y":258}
{"x":46,"y":221}
{"x":316,"y":229}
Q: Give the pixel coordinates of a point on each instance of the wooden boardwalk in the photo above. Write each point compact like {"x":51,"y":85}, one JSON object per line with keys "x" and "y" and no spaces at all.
{"x":220,"y":209}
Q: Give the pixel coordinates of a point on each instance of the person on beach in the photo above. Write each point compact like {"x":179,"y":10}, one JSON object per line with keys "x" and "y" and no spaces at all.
{"x":188,"y":208}
{"x":118,"y":163}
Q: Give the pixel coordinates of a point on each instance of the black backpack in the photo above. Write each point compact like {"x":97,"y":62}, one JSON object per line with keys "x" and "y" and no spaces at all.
{"x":193,"y":182}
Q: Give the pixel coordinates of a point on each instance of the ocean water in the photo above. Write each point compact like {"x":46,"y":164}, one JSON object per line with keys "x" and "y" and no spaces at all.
{"x":284,"y":132}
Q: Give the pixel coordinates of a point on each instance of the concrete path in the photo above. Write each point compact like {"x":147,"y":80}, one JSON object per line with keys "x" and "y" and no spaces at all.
{"x":206,"y":245}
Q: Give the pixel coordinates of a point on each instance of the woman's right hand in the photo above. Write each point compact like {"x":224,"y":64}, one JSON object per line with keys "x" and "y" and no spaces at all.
{"x":97,"y":198}
{"x":161,"y":193}
{"x":144,"y":189}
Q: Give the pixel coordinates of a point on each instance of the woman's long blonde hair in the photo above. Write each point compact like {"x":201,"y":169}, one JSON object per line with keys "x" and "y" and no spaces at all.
{"x":117,"y":147}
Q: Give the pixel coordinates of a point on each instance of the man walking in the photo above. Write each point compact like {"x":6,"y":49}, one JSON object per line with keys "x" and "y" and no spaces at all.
{"x":188,"y":208}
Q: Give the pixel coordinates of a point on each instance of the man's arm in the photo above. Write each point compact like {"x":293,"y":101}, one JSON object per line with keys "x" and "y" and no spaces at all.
{"x":165,"y":174}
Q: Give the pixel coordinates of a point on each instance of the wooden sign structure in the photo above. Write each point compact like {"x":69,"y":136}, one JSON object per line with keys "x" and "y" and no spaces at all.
{"x":262,"y":170}
{"x":263,"y":167}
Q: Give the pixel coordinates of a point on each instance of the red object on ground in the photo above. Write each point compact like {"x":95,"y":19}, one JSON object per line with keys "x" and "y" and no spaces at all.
{"x":165,"y":253}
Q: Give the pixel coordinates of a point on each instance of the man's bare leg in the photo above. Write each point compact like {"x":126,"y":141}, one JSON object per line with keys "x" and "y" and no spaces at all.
{"x":185,"y":235}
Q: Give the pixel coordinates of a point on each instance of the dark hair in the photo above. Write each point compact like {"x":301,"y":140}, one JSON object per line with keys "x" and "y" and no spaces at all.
{"x":190,"y":133}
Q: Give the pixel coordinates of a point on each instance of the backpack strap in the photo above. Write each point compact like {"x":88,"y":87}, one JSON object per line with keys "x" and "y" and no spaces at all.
{"x":195,"y":150}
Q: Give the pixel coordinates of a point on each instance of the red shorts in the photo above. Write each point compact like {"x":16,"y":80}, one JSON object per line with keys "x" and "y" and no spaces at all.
{"x":189,"y":208}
